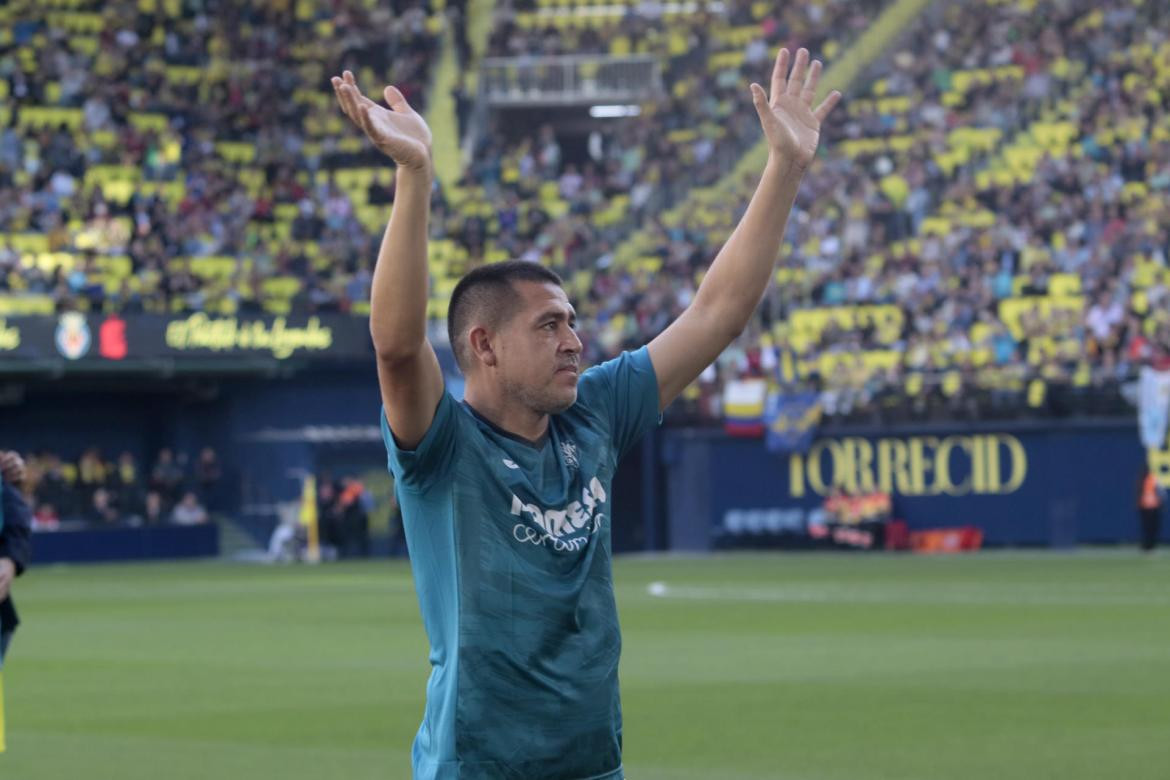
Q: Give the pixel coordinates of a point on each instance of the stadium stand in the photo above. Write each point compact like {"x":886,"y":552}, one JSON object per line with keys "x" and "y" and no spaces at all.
{"x":981,"y":235}
{"x":98,"y":491}
{"x":170,"y":156}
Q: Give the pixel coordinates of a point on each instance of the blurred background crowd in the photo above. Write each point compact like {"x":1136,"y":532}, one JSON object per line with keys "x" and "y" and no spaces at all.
{"x":984,"y":234}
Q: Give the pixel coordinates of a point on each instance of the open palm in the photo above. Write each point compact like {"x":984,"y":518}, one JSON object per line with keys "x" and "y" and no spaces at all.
{"x":791,"y":125}
{"x":399,"y":132}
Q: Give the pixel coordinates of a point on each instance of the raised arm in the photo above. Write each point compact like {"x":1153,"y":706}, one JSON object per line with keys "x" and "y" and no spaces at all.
{"x":735,"y":283}
{"x":408,"y":371}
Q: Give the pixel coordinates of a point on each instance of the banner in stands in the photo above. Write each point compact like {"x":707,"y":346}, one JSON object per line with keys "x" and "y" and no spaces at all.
{"x":1051,"y":484}
{"x":791,"y":420}
{"x":95,"y":342}
{"x":1154,"y":407}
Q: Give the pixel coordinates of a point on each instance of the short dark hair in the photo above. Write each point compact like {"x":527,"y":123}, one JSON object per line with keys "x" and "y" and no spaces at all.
{"x":488,"y":291}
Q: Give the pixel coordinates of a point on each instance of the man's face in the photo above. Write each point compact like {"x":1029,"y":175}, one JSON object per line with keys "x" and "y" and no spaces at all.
{"x":538,"y":352}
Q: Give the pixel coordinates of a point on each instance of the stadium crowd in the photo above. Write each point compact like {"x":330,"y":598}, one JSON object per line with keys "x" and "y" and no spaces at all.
{"x":140,"y":138}
{"x":983,"y":234}
{"x":101,"y":492}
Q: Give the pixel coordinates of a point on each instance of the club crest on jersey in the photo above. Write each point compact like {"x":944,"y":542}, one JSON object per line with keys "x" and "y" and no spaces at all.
{"x":569,"y":453}
{"x":510,"y":463}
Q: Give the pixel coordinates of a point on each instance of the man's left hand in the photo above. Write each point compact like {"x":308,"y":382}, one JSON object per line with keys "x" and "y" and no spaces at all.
{"x":12,"y":468}
{"x":790,"y":123}
{"x":7,"y":573}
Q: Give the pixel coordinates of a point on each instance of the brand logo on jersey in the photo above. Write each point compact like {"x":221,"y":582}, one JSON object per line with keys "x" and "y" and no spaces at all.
{"x":510,"y":463}
{"x":555,"y":527}
{"x":569,"y":453}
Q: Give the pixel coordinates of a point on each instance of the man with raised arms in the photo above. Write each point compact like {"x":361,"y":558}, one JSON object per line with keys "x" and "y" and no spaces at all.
{"x":505,"y":496}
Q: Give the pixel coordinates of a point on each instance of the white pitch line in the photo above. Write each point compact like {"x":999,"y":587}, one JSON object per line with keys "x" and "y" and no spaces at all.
{"x":989,"y":594}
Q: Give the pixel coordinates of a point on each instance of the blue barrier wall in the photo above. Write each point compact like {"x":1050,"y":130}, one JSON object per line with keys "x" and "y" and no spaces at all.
{"x":1051,"y":484}
{"x":126,"y":544}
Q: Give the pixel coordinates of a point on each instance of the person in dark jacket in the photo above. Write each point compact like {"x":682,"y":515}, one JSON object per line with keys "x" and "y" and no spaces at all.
{"x":15,"y":545}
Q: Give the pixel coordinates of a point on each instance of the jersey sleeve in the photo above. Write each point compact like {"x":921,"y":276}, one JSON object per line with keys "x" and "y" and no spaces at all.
{"x":623,"y":391}
{"x":432,"y":459}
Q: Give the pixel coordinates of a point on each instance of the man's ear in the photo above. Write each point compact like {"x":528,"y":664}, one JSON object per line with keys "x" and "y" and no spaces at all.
{"x":481,"y":346}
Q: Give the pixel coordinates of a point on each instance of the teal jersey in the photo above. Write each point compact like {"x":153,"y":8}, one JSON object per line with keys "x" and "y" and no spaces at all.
{"x":510,"y":549}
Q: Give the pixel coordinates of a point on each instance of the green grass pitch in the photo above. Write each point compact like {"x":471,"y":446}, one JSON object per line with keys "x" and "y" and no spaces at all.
{"x":735,"y":667}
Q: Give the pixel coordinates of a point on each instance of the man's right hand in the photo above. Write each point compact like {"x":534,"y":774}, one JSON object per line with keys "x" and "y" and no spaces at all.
{"x":399,"y":133}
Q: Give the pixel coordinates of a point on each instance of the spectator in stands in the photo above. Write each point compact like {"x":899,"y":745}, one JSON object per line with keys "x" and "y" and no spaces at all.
{"x":1151,"y":498}
{"x":189,"y":511}
{"x":209,"y":478}
{"x":52,"y":489}
{"x":103,"y":512}
{"x":354,"y":505}
{"x":46,"y":519}
{"x":166,"y":478}
{"x":153,"y":512}
{"x":125,"y":486}
{"x":91,"y":475}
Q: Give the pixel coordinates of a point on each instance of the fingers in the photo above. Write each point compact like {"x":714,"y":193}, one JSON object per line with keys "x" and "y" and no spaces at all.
{"x":810,"y":83}
{"x":779,"y":74}
{"x":365,"y":122}
{"x":344,"y":97}
{"x":827,"y":105}
{"x":395,"y":100}
{"x":349,"y":96}
{"x":799,"y":71}
{"x":760,"y":100}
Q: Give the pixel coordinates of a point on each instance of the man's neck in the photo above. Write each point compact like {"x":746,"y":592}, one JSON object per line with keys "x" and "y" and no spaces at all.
{"x":518,"y":421}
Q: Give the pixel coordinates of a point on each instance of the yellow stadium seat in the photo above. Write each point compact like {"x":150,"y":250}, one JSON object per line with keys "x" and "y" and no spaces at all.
{"x":26,"y":242}
{"x":952,"y":383}
{"x":238,"y":152}
{"x":26,"y":305}
{"x":1037,"y":392}
{"x":77,"y":22}
{"x":118,"y":191}
{"x":282,"y":287}
{"x":50,"y":116}
{"x":49,"y":262}
{"x":147,"y":121}
{"x":1134,"y":190}
{"x":115,"y":266}
{"x":1064,"y":284}
{"x":214,"y":266}
{"x":936,"y":226}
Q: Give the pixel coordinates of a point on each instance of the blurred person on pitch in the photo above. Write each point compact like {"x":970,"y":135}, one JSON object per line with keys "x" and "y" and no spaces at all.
{"x":1151,"y":499}
{"x":15,"y":534}
{"x":15,"y":531}
{"x":505,"y":496}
